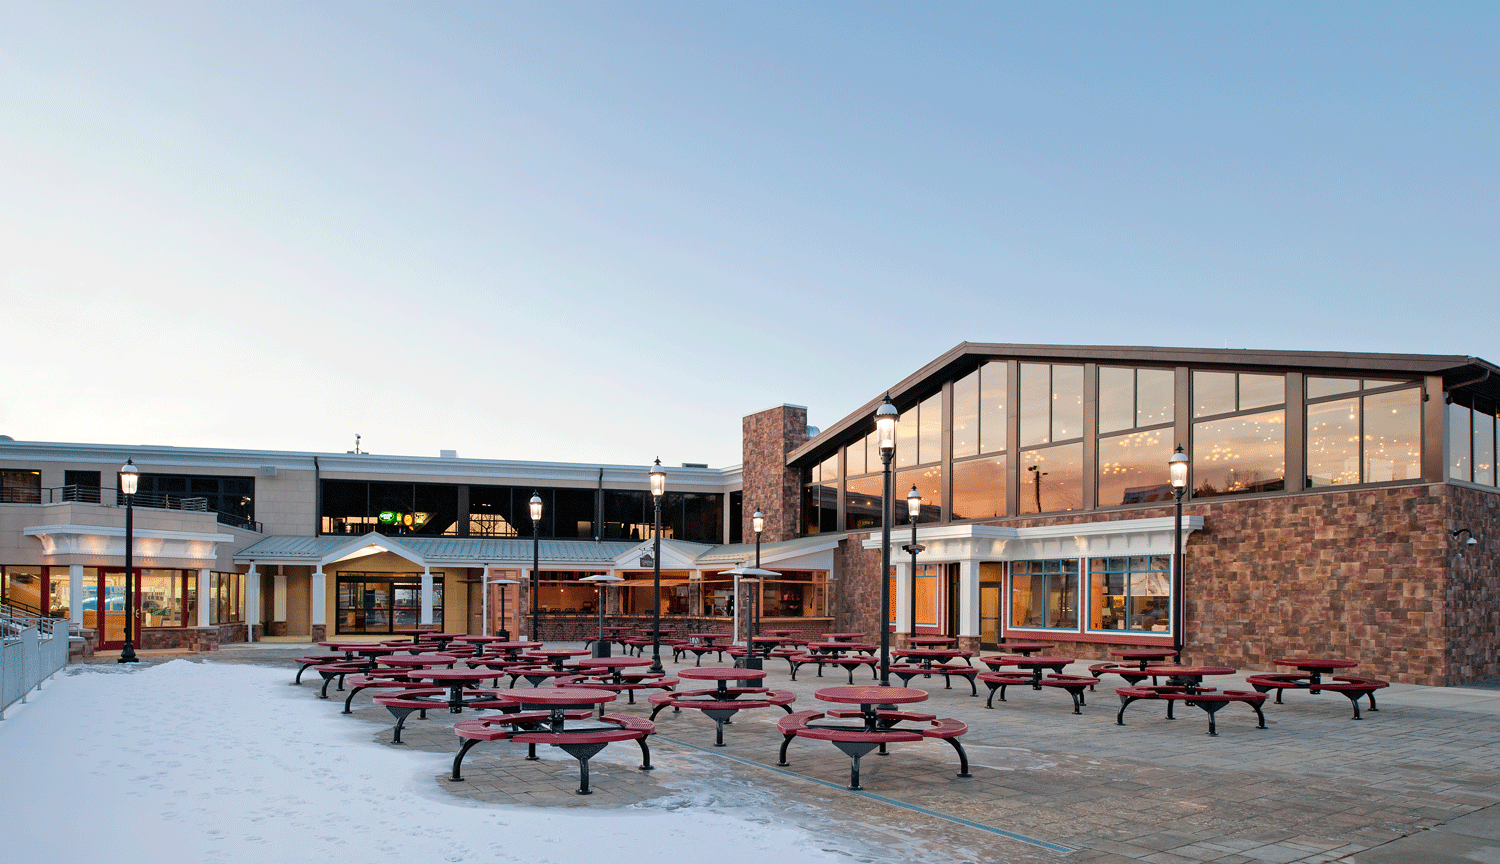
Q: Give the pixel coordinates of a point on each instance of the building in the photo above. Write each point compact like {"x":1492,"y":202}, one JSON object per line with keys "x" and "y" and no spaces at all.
{"x":1329,"y":509}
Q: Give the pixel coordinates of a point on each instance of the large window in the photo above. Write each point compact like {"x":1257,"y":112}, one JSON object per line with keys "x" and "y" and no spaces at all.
{"x":1052,"y":479}
{"x":1051,"y":403}
{"x":227,"y":602}
{"x":20,"y":487}
{"x":1044,"y":593}
{"x":232,"y":496}
{"x":979,"y":488}
{"x":1130,"y":593}
{"x":979,"y":400}
{"x":1133,"y":468}
{"x":1362,"y":438}
{"x":820,"y":497}
{"x":1242,"y":452}
{"x":1471,"y":442}
{"x":382,"y":602}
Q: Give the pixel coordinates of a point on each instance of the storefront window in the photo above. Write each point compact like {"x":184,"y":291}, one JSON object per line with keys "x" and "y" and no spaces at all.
{"x":1130,"y":593}
{"x":169,"y":598}
{"x":227,"y":605}
{"x":1044,"y":593}
{"x":22,"y":587}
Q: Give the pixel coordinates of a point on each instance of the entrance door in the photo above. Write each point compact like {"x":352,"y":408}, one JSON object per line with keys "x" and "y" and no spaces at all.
{"x":107,"y":616}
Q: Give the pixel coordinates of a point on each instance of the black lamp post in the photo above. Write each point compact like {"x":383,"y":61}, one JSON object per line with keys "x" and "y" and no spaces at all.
{"x":758,"y":524}
{"x":536,"y":564}
{"x":1178,"y":465}
{"x":658,"y":488}
{"x":129,"y":482}
{"x":885,"y":436}
{"x":913,"y":510}
{"x":603,"y":580}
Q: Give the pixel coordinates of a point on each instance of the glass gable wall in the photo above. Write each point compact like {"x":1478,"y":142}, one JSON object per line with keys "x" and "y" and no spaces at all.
{"x":1032,"y":438}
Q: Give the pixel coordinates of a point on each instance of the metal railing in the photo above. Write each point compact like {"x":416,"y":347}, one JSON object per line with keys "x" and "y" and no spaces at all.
{"x":31,"y":651}
{"x":76,"y":494}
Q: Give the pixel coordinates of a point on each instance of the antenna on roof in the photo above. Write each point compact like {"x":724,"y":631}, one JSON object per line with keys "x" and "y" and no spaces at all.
{"x":356,"y":442}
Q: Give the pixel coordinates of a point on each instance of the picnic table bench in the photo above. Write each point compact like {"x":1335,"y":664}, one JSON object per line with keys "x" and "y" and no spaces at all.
{"x":719,"y":709}
{"x":859,"y":741}
{"x":536,"y":727}
{"x":1206,"y":698}
{"x":421,"y":699}
{"x":1351,"y":686}
{"x":849,"y":662}
{"x":1073,"y":684}
{"x":907,"y":671}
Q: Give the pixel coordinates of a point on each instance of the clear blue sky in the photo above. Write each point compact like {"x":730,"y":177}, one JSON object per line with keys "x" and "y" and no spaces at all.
{"x":606,"y":231}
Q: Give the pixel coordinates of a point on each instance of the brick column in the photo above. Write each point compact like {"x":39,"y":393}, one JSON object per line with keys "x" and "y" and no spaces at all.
{"x":768,"y":484}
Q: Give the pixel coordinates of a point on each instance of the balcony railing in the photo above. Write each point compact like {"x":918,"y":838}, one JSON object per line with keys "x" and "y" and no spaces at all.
{"x":94,"y":495}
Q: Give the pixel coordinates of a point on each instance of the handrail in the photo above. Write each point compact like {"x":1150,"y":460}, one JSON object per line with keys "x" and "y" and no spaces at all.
{"x":31,"y":650}
{"x":79,"y":494}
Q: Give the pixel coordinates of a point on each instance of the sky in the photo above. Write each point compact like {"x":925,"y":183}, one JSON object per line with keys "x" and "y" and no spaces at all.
{"x":226,"y":764}
{"x":605,"y":232}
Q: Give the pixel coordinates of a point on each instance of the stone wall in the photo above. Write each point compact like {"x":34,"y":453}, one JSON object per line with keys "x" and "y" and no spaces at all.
{"x":1362,"y":574}
{"x":1472,"y":601}
{"x":768,"y":484}
{"x":180,"y":638}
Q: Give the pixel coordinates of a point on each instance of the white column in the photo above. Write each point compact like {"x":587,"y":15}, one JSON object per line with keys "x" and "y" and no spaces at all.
{"x":902,"y":596}
{"x":278,"y":594}
{"x":968,"y":598}
{"x":426,"y":595}
{"x":252,"y":601}
{"x":205,"y":594}
{"x":319,"y":597}
{"x":75,"y":594}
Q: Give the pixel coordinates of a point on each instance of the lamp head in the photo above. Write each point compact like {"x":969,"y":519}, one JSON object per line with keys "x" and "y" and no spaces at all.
{"x":914,"y":503}
{"x":658,"y":480}
{"x":536,"y":507}
{"x":758,"y":521}
{"x":130,"y":478}
{"x":1471,"y":541}
{"x":885,"y":424}
{"x":1178,"y":465}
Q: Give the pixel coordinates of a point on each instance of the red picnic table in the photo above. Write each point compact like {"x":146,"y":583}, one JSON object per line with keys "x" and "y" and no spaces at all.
{"x":1312,"y":670}
{"x":879,"y":726}
{"x":1185,"y":684}
{"x":1025,"y":649}
{"x":722,"y":702}
{"x":932,"y":641}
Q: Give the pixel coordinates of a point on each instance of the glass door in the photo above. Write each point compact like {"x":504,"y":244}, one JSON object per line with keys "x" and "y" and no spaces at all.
{"x":107,"y":615}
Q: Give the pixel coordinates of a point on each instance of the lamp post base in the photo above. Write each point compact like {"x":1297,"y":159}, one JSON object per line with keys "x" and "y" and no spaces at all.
{"x":601,"y":648}
{"x":127,"y":654}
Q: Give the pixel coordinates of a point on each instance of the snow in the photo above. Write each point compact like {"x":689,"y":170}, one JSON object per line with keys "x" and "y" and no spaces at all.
{"x":224,"y":763}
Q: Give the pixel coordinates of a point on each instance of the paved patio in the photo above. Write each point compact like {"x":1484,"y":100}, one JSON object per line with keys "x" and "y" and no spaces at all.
{"x":1316,"y":786}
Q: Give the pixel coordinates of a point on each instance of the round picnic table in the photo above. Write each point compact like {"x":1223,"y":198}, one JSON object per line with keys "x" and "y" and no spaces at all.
{"x":839,"y":647}
{"x":351,"y":648}
{"x":1186,"y":676}
{"x":1035,"y":664}
{"x":869,"y":699}
{"x":560,"y":699}
{"x":1315,"y":667}
{"x":456,"y":680}
{"x":614,"y":665}
{"x":418,"y":661}
{"x":842,"y":637}
{"x":926,"y":656}
{"x":419,"y":635}
{"x":1143,"y":655}
{"x":1025,"y":649}
{"x":511,"y":650}
{"x":932,"y":641}
{"x":723,"y":675}
{"x":555,"y":656}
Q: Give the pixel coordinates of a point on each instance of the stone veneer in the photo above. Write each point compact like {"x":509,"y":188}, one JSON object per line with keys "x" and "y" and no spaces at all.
{"x":768,"y":483}
{"x":1363,"y":574}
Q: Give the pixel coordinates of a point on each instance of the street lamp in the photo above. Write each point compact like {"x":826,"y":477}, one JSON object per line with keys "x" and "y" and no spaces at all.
{"x":885,"y":436}
{"x":658,"y":488}
{"x":758,"y":525}
{"x":1178,"y":465}
{"x":130,"y":479}
{"x":913,"y":510}
{"x":603,"y":580}
{"x":536,"y":563}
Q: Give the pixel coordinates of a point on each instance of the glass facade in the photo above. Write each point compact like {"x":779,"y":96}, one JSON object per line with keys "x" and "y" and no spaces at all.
{"x":437,"y":509}
{"x":1472,"y":436}
{"x":1056,"y":451}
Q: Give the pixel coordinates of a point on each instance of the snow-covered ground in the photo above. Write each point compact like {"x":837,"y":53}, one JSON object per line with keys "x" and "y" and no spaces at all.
{"x":223,"y":763}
